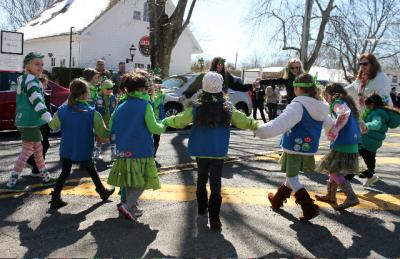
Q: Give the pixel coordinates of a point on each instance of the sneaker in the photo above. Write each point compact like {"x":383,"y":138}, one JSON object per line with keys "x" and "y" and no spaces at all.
{"x":47,"y":180}
{"x":125,"y":212}
{"x":371,"y":181}
{"x":137,"y":212}
{"x":97,"y":155}
{"x":113,"y":154}
{"x":14,"y":188}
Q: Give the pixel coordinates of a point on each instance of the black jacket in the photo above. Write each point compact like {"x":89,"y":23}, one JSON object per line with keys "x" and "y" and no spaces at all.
{"x":281,"y":81}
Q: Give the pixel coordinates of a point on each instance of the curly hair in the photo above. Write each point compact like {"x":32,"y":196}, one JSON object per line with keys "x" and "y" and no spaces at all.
{"x":336,"y":92}
{"x":212,"y":109}
{"x":133,"y":81}
{"x":376,"y":67}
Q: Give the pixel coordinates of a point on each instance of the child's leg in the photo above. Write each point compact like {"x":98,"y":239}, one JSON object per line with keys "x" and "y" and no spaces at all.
{"x":201,"y":191}
{"x":56,"y":201}
{"x":132,"y":196}
{"x":156,"y":139}
{"x":27,"y":150}
{"x":351,"y":197}
{"x":41,"y":165}
{"x":330,"y":197}
{"x":100,"y":189}
{"x":370,"y":160}
{"x":216,"y":166}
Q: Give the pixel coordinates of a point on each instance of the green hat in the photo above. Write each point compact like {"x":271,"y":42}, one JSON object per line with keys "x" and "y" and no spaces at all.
{"x":32,"y":55}
{"x":106,"y":84}
{"x":313,"y":82}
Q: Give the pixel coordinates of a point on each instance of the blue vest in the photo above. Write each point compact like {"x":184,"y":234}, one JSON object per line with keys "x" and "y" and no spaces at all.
{"x":349,"y":134}
{"x":132,"y":137}
{"x":208,"y":142}
{"x":101,"y":105}
{"x":304,"y":136}
{"x":77,"y":137}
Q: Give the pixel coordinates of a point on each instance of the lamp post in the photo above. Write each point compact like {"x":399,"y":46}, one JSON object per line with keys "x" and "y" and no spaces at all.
{"x":70,"y":53}
{"x":132,"y":51}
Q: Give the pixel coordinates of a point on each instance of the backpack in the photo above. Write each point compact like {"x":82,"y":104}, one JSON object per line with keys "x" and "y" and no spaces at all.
{"x":394,"y":118}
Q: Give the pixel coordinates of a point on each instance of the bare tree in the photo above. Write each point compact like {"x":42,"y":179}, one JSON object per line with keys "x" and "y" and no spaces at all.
{"x":20,"y":12}
{"x":165,"y":31}
{"x":371,"y":27}
{"x":305,"y":40}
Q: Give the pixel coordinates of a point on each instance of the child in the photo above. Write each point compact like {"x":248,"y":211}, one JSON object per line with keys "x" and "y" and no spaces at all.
{"x":77,"y":120}
{"x":92,"y":77}
{"x":31,"y":114}
{"x":301,"y":122}
{"x":158,"y":106}
{"x":377,"y":118}
{"x":133,"y":124}
{"x":44,"y":129}
{"x":345,"y":137}
{"x":105,"y":105}
{"x":211,"y":115}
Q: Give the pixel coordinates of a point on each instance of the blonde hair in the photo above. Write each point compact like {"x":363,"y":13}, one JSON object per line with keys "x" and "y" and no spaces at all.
{"x":291,"y":61}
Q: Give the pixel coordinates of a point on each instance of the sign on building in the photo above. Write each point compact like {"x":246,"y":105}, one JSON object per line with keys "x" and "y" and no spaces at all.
{"x":11,"y":50}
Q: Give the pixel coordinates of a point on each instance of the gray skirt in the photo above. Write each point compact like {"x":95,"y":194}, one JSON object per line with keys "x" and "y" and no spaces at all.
{"x":339,"y":162}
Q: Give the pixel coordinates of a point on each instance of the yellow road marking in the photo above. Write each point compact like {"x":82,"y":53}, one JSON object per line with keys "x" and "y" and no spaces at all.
{"x":249,"y":196}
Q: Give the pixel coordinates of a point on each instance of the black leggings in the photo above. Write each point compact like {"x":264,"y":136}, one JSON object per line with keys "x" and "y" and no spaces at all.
{"x":370,"y":160}
{"x":209,"y":168}
{"x":260,"y":107}
{"x":272,"y":110}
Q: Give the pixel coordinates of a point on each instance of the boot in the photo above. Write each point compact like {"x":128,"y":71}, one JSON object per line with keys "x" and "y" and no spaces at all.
{"x":351,"y":197}
{"x":330,"y":197}
{"x":280,"y":196}
{"x":100,"y":189}
{"x":310,"y":210}
{"x":56,"y":201}
{"x":214,"y":208}
{"x":105,"y":193}
{"x":202,"y":202}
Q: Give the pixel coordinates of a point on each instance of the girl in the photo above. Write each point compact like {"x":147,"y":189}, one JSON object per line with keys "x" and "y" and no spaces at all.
{"x":272,"y":101}
{"x":377,"y":118}
{"x":158,"y":106}
{"x":78,"y":122}
{"x":92,"y":77}
{"x":345,"y":137}
{"x":258,"y":99}
{"x":135,"y":168}
{"x":31,"y":114}
{"x":105,"y":105}
{"x":301,"y":122}
{"x":212,"y":115}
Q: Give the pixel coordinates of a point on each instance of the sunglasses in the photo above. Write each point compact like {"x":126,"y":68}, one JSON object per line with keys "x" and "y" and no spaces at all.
{"x":364,"y":63}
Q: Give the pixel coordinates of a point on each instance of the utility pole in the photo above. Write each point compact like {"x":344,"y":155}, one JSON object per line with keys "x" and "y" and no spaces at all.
{"x":70,"y":54}
{"x":306,"y":31}
{"x":236,"y":59}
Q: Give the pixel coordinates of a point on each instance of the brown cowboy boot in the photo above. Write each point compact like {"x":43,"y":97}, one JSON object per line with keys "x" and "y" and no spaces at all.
{"x":280,"y":196}
{"x":351,"y":197}
{"x":330,"y":197}
{"x":310,"y":210}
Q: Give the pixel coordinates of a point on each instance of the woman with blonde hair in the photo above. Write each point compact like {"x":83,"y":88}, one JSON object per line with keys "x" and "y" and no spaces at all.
{"x":293,"y":68}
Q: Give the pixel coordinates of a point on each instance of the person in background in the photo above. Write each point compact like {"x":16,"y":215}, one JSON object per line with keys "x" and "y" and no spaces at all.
{"x":293,"y":68}
{"x":394,"y":97}
{"x":101,"y":68}
{"x":258,"y":98}
{"x":273,"y":95}
{"x":92,"y":77}
{"x":116,"y":78}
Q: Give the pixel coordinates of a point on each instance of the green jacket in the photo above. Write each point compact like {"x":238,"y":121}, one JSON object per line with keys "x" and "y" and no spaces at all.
{"x":31,"y":110}
{"x":376,"y":122}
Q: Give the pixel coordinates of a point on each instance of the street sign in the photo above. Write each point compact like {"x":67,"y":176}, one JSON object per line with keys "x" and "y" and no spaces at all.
{"x":144,"y":46}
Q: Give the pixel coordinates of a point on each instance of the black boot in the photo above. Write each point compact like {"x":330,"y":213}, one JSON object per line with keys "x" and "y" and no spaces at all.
{"x":202,"y":202}
{"x":100,"y":189}
{"x":214,"y":208}
{"x":56,"y":201}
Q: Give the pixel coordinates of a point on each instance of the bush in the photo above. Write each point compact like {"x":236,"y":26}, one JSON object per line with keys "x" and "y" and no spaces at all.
{"x":61,"y":75}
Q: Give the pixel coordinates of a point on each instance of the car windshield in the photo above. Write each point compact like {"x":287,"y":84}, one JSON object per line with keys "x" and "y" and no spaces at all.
{"x":8,"y":81}
{"x":176,"y":81}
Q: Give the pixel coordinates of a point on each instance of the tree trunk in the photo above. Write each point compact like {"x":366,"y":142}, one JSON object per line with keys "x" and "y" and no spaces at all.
{"x":306,"y":32}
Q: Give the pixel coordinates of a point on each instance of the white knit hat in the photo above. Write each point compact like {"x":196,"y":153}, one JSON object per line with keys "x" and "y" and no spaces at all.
{"x":212,"y":82}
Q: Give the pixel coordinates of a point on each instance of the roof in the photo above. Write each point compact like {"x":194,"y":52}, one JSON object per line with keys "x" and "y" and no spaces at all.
{"x":64,"y":14}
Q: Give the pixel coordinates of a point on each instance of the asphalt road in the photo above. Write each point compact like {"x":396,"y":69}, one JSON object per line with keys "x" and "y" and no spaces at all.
{"x":170,"y":226}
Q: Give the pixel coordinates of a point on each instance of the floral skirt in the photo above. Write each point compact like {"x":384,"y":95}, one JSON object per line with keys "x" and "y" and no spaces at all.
{"x":339,"y":162}
{"x":135,"y":173}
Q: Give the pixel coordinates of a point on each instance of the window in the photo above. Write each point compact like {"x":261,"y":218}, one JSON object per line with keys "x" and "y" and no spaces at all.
{"x":139,"y":65}
{"x":53,"y":62}
{"x":62,"y":62}
{"x":146,"y":17}
{"x":8,"y":81}
{"x":136,"y":15}
{"x":176,"y":81}
{"x":148,"y":66}
{"x":394,"y":79}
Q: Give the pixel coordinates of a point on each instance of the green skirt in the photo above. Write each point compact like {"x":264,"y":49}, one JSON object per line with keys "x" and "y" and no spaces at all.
{"x":292,"y":164}
{"x":135,"y":173}
{"x":339,"y":162}
{"x":31,"y":134}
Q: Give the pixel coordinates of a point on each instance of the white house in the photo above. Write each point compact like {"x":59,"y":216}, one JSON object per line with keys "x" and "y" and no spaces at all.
{"x":103,"y":29}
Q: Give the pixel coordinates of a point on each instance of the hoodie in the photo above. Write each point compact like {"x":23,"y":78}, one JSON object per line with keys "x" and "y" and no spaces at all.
{"x":292,"y":115}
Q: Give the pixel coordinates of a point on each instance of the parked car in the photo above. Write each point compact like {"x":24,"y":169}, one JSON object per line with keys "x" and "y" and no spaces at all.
{"x":8,"y":82}
{"x":189,"y":85}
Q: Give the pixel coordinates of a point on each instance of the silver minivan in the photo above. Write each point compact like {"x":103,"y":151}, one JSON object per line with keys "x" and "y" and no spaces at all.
{"x":188,"y":85}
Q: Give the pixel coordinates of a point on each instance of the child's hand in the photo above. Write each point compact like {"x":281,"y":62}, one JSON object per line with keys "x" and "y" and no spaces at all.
{"x":363,"y":127}
{"x":332,"y":134}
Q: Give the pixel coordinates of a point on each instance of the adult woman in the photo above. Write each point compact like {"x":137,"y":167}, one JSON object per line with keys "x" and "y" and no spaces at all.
{"x":370,"y":80}
{"x":293,"y":68}
{"x":258,"y":98}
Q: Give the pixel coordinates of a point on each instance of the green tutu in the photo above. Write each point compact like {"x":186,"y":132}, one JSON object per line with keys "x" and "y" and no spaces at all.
{"x":135,"y":173}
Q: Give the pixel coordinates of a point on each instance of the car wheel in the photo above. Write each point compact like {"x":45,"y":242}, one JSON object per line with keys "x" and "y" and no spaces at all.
{"x":172,"y":109}
{"x":243,"y":108}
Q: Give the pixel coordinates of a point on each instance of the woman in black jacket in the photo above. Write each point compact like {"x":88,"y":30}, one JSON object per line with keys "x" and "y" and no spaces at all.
{"x":293,"y":69}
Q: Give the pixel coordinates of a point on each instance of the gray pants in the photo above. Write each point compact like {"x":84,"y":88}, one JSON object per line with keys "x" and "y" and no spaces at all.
{"x":132,"y":195}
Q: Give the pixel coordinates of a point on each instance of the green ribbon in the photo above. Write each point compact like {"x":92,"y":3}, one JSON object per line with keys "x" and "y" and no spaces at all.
{"x":313,"y":82}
